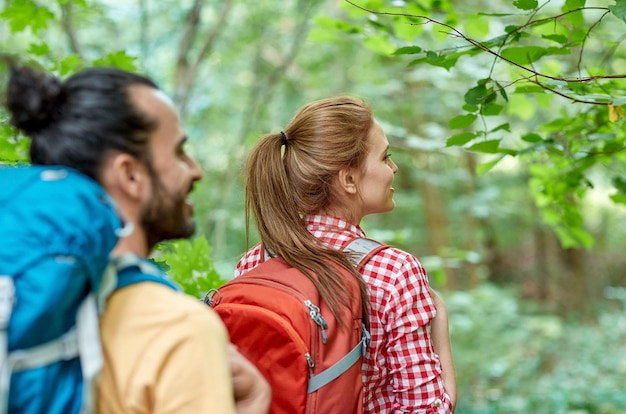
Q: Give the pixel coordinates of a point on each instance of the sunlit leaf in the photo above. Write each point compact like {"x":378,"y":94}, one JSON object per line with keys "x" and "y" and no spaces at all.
{"x":408,"y":50}
{"x":615,"y":112}
{"x":462,"y":121}
{"x":502,"y":127}
{"x":526,"y":4}
{"x":520,"y":106}
{"x":39,"y":49}
{"x":25,"y":13}
{"x":379,"y":44}
{"x":460,"y":139}
{"x":487,"y":166}
{"x":119,"y":60}
{"x":573,"y":5}
{"x":488,"y":147}
{"x":70,"y":63}
{"x":476,"y":27}
{"x":523,"y":55}
{"x":562,"y":39}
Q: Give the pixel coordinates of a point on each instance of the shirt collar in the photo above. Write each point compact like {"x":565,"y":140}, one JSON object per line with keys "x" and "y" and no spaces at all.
{"x":319,"y":221}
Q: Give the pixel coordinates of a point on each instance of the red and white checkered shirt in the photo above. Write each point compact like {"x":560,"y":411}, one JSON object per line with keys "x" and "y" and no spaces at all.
{"x":401,"y":372}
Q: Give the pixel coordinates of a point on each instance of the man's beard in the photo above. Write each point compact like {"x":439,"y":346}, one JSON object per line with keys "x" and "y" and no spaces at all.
{"x":163,"y":218}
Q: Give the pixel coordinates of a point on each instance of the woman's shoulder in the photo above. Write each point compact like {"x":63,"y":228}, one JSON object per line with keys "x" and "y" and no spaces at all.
{"x":394,"y":264}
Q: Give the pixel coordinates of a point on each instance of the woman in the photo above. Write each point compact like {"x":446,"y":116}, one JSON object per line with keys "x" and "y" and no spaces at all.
{"x":308,"y":188}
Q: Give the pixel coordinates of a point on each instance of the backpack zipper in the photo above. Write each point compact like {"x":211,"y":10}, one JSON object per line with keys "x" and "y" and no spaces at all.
{"x":317,"y":317}
{"x":313,"y":310}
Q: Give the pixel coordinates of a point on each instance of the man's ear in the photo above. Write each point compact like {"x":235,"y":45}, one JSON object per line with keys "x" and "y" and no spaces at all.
{"x":347,"y":179}
{"x":127,"y":175}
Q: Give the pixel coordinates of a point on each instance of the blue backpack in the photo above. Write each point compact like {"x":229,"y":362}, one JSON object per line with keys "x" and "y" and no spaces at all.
{"x":57,"y":230}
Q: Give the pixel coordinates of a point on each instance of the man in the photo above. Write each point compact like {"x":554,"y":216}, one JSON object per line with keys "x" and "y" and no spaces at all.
{"x":164,"y":352}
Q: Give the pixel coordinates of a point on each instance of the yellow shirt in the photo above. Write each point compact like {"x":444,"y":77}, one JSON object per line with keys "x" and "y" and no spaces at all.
{"x":164,"y":352}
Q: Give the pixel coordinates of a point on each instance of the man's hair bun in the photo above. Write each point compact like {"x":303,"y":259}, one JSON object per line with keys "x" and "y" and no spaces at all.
{"x":33,"y":99}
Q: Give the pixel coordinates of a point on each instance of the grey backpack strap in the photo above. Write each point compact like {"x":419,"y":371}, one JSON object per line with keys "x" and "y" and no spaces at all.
{"x":329,"y":374}
{"x":7,"y":299}
{"x":82,"y":341}
{"x":363,"y":249}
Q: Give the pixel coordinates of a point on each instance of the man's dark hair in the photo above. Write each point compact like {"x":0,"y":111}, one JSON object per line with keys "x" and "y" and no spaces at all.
{"x":79,"y":121}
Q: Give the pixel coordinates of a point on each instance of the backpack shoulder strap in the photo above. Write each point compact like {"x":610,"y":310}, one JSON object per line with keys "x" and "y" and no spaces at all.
{"x":7,"y":299}
{"x":362,"y":250}
{"x":133,"y":269}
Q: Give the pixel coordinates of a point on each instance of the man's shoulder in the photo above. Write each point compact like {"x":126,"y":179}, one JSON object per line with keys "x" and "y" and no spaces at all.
{"x":154,"y":306}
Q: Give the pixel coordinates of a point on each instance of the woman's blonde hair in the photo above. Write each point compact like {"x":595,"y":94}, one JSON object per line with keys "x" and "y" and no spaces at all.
{"x":284,"y":185}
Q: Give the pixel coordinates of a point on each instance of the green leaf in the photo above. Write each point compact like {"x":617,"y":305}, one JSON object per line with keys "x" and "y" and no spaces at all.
{"x":573,"y":5}
{"x":476,"y":95}
{"x":476,"y":27}
{"x":619,"y":9}
{"x":620,"y":184}
{"x":486,"y":167}
{"x":583,"y":237}
{"x":526,"y":4}
{"x":380,"y":44}
{"x":39,"y":49}
{"x":330,"y":23}
{"x":520,"y":106}
{"x":13,"y":148}
{"x":119,"y":59}
{"x":188,"y":263}
{"x":562,"y":39}
{"x":406,"y":31}
{"x":462,"y":121}
{"x":502,"y":127}
{"x":577,"y":19}
{"x":488,"y":147}
{"x":25,"y":13}
{"x":69,"y":64}
{"x":460,"y":139}
{"x":502,"y":91}
{"x":618,"y":198}
{"x":491,"y":109}
{"x":532,"y":137}
{"x":523,"y":55}
{"x":408,"y":50}
{"x":440,"y":60}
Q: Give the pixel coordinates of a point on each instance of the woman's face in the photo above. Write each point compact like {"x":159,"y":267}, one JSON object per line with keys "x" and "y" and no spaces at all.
{"x":375,"y":179}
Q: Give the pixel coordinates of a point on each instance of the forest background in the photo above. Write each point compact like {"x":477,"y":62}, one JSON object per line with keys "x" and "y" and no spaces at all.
{"x":506,"y":118}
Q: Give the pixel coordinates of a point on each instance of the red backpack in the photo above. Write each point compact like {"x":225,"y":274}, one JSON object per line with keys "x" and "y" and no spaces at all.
{"x":278,"y":320}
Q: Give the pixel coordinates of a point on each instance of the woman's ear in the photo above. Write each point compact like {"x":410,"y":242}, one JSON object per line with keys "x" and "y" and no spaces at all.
{"x":347,"y":180}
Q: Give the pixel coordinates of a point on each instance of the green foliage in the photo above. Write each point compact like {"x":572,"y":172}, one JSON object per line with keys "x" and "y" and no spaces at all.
{"x":511,"y":359}
{"x":536,"y":60}
{"x":188,"y":263}
{"x":23,"y":14}
{"x":619,"y":9}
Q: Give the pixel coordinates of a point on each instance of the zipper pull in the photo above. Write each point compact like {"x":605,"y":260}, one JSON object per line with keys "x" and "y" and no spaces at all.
{"x":317,"y":317}
{"x":310,"y":363}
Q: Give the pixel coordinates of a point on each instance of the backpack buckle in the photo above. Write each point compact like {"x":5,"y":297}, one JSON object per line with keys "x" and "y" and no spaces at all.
{"x":208,"y":298}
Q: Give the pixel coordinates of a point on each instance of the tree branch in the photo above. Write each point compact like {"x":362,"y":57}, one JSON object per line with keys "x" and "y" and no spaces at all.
{"x":457,"y":33}
{"x":68,"y":27}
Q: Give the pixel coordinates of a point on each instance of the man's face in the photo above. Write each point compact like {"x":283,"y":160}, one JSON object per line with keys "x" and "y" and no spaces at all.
{"x":168,"y":213}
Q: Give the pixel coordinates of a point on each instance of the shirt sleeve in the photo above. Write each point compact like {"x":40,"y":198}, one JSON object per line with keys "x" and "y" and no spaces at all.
{"x":412,"y":363}
{"x":195,"y":376}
